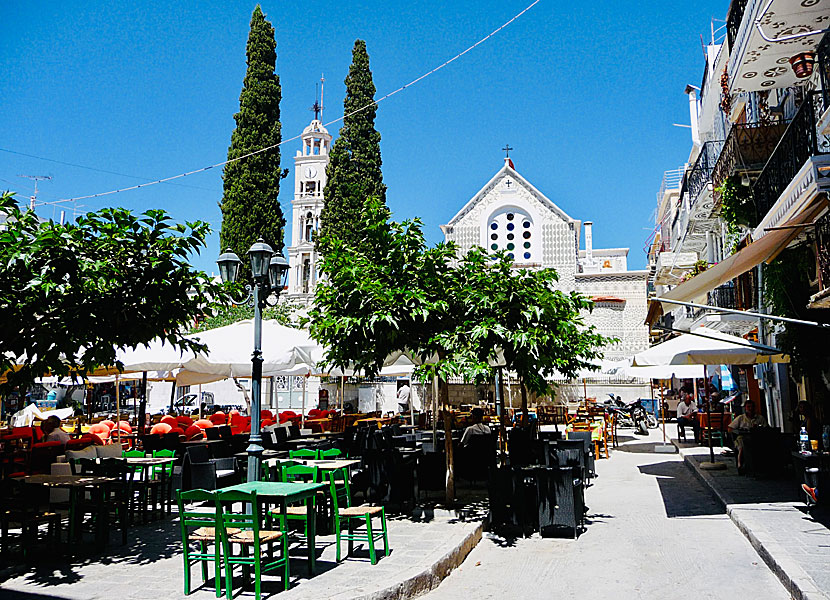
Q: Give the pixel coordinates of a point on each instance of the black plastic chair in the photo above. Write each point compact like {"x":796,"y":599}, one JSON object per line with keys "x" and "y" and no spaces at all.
{"x":212,"y":433}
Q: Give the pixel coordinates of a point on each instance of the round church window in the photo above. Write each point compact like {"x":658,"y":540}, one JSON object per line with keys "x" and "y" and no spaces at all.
{"x":510,"y":246}
{"x":494,"y":236}
{"x":510,"y":255}
{"x":527,"y":255}
{"x":510,"y":226}
{"x":494,"y":246}
{"x":494,"y":226}
{"x":526,"y":224}
{"x":527,"y":245}
{"x":526,"y":235}
{"x":510,"y":216}
{"x":509,"y":236}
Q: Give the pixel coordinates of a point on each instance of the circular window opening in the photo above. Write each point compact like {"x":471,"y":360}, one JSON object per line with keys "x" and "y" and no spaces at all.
{"x":510,"y":226}
{"x":494,"y":236}
{"x":510,"y":216}
{"x":509,"y":236}
{"x":527,"y":255}
{"x":526,"y":235}
{"x":494,"y":246}
{"x":510,"y":246}
{"x":510,"y":256}
{"x":527,"y":245}
{"x":526,"y":224}
{"x":494,"y":226}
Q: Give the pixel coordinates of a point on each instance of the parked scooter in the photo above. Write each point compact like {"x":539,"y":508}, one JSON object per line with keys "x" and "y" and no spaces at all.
{"x":630,"y":414}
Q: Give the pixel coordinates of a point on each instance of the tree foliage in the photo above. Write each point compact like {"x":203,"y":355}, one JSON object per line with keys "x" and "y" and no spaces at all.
{"x":283,"y":313}
{"x":71,"y":295}
{"x":389,"y":292}
{"x":354,"y":170}
{"x":250,"y":208}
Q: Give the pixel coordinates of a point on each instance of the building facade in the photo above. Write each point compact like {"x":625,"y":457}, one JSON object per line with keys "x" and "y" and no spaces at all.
{"x":510,"y":214}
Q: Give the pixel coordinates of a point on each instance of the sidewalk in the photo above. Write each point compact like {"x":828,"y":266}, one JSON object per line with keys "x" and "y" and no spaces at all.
{"x":792,"y":540}
{"x":425,"y":547}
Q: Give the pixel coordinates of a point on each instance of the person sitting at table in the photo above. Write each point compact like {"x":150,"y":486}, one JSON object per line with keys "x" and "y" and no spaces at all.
{"x":741,"y":426}
{"x":52,"y":431}
{"x":687,"y":415}
{"x":812,"y":492}
{"x":477,"y":428}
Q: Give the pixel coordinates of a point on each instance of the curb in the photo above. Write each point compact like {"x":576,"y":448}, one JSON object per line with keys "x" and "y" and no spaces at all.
{"x":794,"y":579}
{"x":429,"y":578}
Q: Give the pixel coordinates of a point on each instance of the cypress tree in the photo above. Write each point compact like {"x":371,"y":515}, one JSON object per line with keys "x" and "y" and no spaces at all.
{"x":250,"y":208}
{"x":354,"y":170}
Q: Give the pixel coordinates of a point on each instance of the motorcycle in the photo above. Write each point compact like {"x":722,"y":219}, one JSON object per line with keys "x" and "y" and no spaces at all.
{"x":631,"y":413}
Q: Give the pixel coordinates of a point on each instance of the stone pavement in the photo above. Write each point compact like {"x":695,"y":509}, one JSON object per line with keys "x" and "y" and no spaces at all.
{"x":654,"y":531}
{"x":772,"y":514}
{"x":424,"y":548}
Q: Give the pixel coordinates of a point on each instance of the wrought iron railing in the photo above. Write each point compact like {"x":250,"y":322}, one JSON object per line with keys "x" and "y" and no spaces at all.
{"x":723,"y":296}
{"x":748,"y":146}
{"x":823,"y":251}
{"x":800,"y":141}
{"x":733,"y":21}
{"x":699,"y":176}
{"x":823,"y":56}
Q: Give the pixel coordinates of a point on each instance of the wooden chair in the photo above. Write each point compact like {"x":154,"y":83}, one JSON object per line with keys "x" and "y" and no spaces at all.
{"x":198,"y":525}
{"x":718,"y":422}
{"x":353,"y":517}
{"x":304,"y":453}
{"x":331,"y":454}
{"x":298,"y":512}
{"x":246,"y":528}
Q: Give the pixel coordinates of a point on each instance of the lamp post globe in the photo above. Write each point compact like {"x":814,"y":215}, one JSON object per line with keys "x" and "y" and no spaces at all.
{"x":228,"y":266}
{"x":277,"y":271}
{"x":260,"y":256}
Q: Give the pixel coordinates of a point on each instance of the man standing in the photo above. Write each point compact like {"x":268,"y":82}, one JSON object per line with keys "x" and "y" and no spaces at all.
{"x":687,"y":415}
{"x":403,"y":398}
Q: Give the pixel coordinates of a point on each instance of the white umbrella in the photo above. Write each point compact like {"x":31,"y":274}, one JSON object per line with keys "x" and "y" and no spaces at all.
{"x":704,"y":346}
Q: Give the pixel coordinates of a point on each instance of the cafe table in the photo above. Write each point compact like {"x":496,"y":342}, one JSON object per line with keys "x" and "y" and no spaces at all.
{"x":76,"y":485}
{"x":283,"y":494}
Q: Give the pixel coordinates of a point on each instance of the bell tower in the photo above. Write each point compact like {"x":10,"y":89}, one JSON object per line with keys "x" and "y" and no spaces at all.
{"x":309,"y":180}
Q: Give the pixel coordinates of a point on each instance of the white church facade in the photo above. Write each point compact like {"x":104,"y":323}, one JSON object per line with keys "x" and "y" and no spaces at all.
{"x":510,"y":214}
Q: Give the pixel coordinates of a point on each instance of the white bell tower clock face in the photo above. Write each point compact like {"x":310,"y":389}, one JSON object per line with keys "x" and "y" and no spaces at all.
{"x":310,"y":172}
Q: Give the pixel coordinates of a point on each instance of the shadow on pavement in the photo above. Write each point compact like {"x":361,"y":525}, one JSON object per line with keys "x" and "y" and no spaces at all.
{"x":12,"y":595}
{"x":683,"y":496}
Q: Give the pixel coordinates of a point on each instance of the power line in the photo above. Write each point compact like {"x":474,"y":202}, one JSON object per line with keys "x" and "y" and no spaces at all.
{"x":296,"y":137}
{"x":69,"y":164}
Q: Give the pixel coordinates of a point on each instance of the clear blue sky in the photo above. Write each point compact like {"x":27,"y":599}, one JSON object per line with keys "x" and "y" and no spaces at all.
{"x":585,"y":92}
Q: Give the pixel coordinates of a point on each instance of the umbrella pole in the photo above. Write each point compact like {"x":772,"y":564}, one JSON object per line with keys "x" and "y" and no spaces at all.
{"x":302,"y":412}
{"x":711,"y":465}
{"x":666,"y":448}
{"x":118,"y":408}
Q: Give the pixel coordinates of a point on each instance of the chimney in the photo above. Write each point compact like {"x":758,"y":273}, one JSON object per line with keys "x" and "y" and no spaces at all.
{"x":690,"y":90}
{"x":589,"y":242}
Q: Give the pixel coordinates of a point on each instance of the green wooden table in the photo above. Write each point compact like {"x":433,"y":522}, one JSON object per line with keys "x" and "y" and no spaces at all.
{"x":284,"y":494}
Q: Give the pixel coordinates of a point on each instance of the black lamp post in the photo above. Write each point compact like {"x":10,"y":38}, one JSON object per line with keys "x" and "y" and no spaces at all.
{"x":269,"y":271}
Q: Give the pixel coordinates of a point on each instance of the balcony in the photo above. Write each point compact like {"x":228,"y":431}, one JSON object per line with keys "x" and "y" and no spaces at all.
{"x":739,"y":294}
{"x":757,"y":64}
{"x":822,"y":298}
{"x":746,"y":150}
{"x":697,"y":182}
{"x":671,"y":266}
{"x":722,"y":297}
{"x":787,"y":169}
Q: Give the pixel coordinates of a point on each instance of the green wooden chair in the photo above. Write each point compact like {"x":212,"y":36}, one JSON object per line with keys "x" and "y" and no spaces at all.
{"x":306,"y":453}
{"x":331,"y":454}
{"x":245,"y":528}
{"x":354,"y":517}
{"x":199,"y":525}
{"x":168,"y":470}
{"x":297,"y":512}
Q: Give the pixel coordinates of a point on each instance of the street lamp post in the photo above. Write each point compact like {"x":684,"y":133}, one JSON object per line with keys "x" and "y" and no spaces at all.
{"x":269,"y":272}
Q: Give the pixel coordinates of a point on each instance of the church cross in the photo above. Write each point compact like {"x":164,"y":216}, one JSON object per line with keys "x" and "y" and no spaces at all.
{"x":508,"y":183}
{"x":507,"y":150}
{"x":316,"y":109}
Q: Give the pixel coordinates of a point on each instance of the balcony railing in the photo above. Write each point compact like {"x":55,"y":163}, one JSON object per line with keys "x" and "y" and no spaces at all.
{"x":723,"y":297}
{"x":823,"y":251}
{"x":747,"y":148}
{"x":800,"y":141}
{"x":733,"y":21}
{"x":700,"y":175}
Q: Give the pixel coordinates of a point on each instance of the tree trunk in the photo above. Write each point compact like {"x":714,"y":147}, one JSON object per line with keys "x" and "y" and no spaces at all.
{"x":445,"y":402}
{"x":524,"y":403}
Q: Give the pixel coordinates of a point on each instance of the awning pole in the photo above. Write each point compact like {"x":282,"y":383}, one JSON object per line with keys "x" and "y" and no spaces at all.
{"x":748,"y":313}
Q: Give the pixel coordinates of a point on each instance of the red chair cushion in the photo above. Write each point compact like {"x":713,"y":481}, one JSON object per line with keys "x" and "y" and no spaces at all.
{"x":218,"y":418}
{"x":203,"y":423}
{"x":266,"y":414}
{"x":184,"y":421}
{"x":125,"y":426}
{"x":170,"y":420}
{"x":161,"y":428}
{"x":194,"y":432}
{"x":108,"y":423}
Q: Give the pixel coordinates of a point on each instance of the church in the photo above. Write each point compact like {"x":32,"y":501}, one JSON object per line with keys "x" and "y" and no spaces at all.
{"x":508,"y":214}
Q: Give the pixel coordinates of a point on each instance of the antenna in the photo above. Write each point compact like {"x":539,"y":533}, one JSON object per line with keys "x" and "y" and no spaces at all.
{"x":36,"y":178}
{"x":322,"y":83}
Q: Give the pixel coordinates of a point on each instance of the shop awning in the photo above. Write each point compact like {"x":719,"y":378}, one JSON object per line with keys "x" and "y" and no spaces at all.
{"x":766,"y":249}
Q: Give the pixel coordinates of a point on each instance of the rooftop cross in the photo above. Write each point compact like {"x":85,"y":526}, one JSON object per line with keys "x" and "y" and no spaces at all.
{"x":507,"y":150}
{"x":316,"y":109}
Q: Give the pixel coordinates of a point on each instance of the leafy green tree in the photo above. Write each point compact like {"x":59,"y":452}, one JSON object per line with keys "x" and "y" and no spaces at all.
{"x":388,"y":292}
{"x":250,"y":208}
{"x":354,"y":170}
{"x":71,"y":295}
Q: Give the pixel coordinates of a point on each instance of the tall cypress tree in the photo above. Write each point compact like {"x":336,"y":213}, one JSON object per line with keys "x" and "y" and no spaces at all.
{"x":354,"y":170}
{"x":250,"y":208}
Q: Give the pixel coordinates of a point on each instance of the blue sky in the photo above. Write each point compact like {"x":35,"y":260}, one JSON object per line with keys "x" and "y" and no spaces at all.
{"x":585,"y":93}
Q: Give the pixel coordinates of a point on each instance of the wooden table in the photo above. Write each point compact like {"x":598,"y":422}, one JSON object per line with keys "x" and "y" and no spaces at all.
{"x":323,"y":465}
{"x":75,"y":483}
{"x":283,"y":494}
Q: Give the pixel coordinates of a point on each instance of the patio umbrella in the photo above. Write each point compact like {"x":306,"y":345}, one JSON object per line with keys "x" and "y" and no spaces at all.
{"x":704,"y":346}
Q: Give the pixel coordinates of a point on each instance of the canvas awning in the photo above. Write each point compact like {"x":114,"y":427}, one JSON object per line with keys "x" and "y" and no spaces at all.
{"x":704,"y":346}
{"x":765,"y":249}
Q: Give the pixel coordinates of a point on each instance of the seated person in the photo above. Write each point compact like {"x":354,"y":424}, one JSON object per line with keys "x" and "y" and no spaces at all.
{"x":742,"y":425}
{"x":687,"y":414}
{"x":477,"y":428}
{"x":812,"y":493}
{"x":52,"y":432}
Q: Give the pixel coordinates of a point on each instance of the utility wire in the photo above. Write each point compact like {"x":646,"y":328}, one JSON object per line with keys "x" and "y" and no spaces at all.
{"x":296,"y":137}
{"x":69,"y":164}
